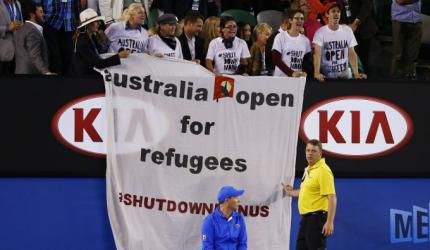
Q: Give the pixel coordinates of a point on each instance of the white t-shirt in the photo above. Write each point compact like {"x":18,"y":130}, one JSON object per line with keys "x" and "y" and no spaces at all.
{"x":334,"y":50}
{"x":225,"y":60}
{"x":120,"y":36}
{"x":156,"y":45}
{"x":292,"y":49}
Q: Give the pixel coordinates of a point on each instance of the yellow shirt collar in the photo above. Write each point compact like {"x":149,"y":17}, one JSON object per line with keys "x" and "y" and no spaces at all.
{"x":317,"y":164}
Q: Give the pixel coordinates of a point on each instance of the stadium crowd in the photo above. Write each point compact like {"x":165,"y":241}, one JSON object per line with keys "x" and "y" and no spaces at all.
{"x":321,"y":39}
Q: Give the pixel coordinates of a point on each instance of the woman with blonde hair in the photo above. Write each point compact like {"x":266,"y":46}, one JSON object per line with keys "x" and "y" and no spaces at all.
{"x":129,"y":34}
{"x":262,"y":32}
{"x":210,"y":31}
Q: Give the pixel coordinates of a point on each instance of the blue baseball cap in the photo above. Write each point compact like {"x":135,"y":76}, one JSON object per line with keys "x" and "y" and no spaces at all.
{"x":227,"y":192}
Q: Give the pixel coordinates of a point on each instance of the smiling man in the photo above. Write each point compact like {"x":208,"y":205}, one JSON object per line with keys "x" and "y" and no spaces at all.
{"x":192,"y":45}
{"x":225,"y":228}
{"x":164,"y":43}
{"x":317,"y":200}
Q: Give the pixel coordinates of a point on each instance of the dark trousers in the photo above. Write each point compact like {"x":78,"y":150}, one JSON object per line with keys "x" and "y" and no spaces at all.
{"x":7,"y":68}
{"x":310,"y":236}
{"x":363,"y":51}
{"x":406,"y":47}
{"x":60,"y":47}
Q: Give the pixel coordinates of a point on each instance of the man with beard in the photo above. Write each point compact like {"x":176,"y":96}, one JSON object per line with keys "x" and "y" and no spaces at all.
{"x":225,"y":227}
{"x":164,"y":43}
{"x":31,"y":52}
{"x":192,"y":45}
{"x":334,"y":48}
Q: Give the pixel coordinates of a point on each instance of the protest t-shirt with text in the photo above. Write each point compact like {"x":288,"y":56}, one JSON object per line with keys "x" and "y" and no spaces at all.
{"x":334,"y":50}
{"x":292,"y":49}
{"x":122,"y":38}
{"x":227,"y":60}
{"x":156,"y":45}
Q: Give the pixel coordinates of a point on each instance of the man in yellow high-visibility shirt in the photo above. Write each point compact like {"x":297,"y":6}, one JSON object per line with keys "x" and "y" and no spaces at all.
{"x":317,"y":200}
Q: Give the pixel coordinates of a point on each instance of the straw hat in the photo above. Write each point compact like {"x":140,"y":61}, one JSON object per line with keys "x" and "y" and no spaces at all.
{"x":88,"y":16}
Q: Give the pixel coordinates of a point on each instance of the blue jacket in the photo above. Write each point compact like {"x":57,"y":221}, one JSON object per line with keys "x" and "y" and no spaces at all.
{"x":220,"y":233}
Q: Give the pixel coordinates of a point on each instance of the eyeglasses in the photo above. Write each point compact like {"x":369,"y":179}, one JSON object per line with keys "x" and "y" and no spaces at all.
{"x":299,"y":18}
{"x":231,"y":27}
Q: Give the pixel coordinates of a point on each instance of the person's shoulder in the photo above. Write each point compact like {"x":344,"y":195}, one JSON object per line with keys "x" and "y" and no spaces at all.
{"x":325,"y":167}
{"x":209,"y":218}
{"x":115,"y":27}
{"x":83,"y":38}
{"x":144,"y":31}
{"x":345,"y":28}
{"x":304,"y":38}
{"x":320,"y":32}
{"x":215,"y":41}
{"x":240,"y":41}
{"x":275,"y":33}
{"x":282,"y":35}
{"x":182,"y":37}
{"x":239,"y":216}
{"x":154,"y":37}
{"x":26,"y":28}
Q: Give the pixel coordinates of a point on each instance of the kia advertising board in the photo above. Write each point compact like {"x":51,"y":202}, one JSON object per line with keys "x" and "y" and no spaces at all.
{"x":368,"y":129}
{"x":357,"y":127}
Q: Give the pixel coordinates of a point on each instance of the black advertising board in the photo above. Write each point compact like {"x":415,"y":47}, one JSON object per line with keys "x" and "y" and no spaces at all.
{"x":369,"y":129}
{"x":31,"y":103}
{"x":403,"y":158}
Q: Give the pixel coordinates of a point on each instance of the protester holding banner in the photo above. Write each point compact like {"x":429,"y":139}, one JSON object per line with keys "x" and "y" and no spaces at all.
{"x":317,"y":200}
{"x":334,"y":48}
{"x":164,"y":43}
{"x":290,"y":48}
{"x":225,"y":228}
{"x":87,"y":48}
{"x":129,"y":35}
{"x":228,"y":54}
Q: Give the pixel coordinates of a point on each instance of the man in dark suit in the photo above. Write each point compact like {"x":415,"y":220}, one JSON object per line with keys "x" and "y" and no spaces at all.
{"x":31,"y":52}
{"x":191,"y":44}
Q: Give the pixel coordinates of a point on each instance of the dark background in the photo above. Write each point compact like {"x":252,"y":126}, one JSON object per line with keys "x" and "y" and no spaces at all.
{"x":29,"y":147}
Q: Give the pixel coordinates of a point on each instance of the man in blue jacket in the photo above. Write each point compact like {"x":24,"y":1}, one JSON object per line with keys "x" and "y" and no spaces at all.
{"x":225,"y":228}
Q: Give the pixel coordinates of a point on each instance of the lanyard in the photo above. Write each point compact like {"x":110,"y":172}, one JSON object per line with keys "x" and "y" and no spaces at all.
{"x":347,"y":9}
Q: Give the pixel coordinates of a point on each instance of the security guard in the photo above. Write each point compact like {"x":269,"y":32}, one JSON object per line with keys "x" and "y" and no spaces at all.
{"x":225,"y":228}
{"x":317,"y":200}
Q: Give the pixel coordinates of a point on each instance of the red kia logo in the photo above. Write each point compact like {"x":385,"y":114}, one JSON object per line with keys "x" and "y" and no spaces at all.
{"x":357,"y":126}
{"x":81,"y":125}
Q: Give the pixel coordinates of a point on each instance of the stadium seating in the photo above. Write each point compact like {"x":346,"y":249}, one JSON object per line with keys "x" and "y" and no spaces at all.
{"x":241,"y":16}
{"x":272,"y":17}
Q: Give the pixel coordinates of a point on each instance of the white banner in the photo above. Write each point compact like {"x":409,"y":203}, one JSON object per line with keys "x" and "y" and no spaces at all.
{"x":171,"y":147}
